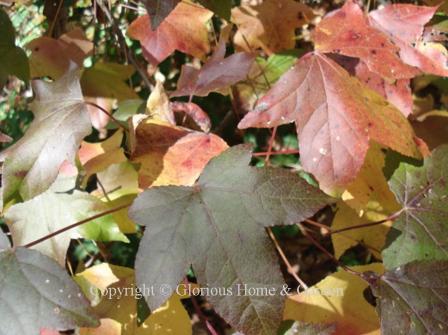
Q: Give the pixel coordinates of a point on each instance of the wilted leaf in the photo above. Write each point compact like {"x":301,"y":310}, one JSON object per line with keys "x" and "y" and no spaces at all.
{"x":338,"y":300}
{"x":49,"y":212}
{"x":60,"y":123}
{"x":184,"y":30}
{"x":12,"y":58}
{"x":413,"y":299}
{"x":171,"y":155}
{"x":217,"y":227}
{"x":423,"y":223}
{"x":270,"y":25}
{"x":405,"y":24}
{"x":158,"y":105}
{"x":347,"y":31}
{"x":37,"y":293}
{"x":52,"y":57}
{"x":216,"y":74}
{"x":194,"y":112}
{"x":158,"y":10}
{"x":335,"y":116}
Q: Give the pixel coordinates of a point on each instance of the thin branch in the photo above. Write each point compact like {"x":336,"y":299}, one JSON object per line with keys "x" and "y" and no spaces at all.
{"x":107,"y":113}
{"x":271,"y":144}
{"x":285,"y":260}
{"x":368,"y":224}
{"x":122,"y":41}
{"x":283,"y":152}
{"x":74,"y":225}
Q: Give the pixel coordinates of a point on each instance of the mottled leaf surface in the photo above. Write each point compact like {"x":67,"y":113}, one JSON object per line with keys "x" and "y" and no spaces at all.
{"x":413,"y":299}
{"x":336,"y":116}
{"x":36,"y":293}
{"x":60,"y":123}
{"x":423,"y":222}
{"x":405,"y":24}
{"x":217,"y":227}
{"x":347,"y":31}
{"x":184,"y":30}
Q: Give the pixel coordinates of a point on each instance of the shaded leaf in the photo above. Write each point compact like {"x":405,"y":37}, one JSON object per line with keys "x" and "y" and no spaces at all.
{"x":13,"y":59}
{"x":158,"y":10}
{"x":222,"y":8}
{"x":52,"y":57}
{"x":347,"y":31}
{"x":217,"y":227}
{"x":405,"y":24}
{"x":338,"y":299}
{"x":270,"y":25}
{"x":4,"y":241}
{"x":412,"y":299}
{"x":216,"y":74}
{"x":184,"y":30}
{"x":107,"y":80}
{"x":423,"y":222}
{"x":194,"y":112}
{"x":37,"y":293}
{"x":60,"y":123}
{"x":336,"y":117}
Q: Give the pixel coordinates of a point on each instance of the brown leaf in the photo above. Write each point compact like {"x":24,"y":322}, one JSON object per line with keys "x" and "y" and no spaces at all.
{"x":336,"y":117}
{"x":270,"y":25}
{"x":184,"y":30}
{"x":347,"y":31}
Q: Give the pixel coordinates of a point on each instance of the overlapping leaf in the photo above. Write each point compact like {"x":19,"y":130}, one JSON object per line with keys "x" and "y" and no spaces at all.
{"x":421,"y":230}
{"x":413,"y":299}
{"x":12,"y":58}
{"x":336,"y":117}
{"x":158,"y":10}
{"x":270,"y":25}
{"x":37,"y":293}
{"x":184,"y":30}
{"x":337,"y":300}
{"x":217,"y":227}
{"x":60,"y":123}
{"x":405,"y":24}
{"x":347,"y":31}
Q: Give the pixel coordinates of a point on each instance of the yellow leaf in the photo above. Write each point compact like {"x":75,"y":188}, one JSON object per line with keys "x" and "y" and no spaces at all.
{"x":338,"y":300}
{"x":171,"y":155}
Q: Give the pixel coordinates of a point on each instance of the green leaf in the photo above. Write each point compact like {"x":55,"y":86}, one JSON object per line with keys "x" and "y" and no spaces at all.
{"x":107,"y":80}
{"x":217,"y":226}
{"x":37,"y":293}
{"x":413,"y":299}
{"x":4,"y":241}
{"x":13,"y":59}
{"x":60,"y":123}
{"x":422,"y":226}
{"x":221,"y":8}
{"x":49,"y":212}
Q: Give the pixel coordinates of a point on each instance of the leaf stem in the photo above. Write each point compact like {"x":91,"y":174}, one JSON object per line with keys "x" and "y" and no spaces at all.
{"x":367,"y":224}
{"x":74,"y":225}
{"x":286,"y":261}
{"x":107,"y":113}
{"x":283,"y":152}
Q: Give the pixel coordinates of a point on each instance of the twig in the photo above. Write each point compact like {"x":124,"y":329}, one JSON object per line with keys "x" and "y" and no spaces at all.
{"x":283,"y":152}
{"x":122,"y":41}
{"x":107,"y":113}
{"x":285,"y":260}
{"x":74,"y":225}
{"x":271,"y":144}
{"x":368,"y":224}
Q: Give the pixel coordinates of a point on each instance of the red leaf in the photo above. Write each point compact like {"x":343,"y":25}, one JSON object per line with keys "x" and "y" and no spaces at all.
{"x":194,"y":112}
{"x":347,"y":31}
{"x":216,"y":74}
{"x":336,"y":117}
{"x":405,"y":24}
{"x":184,"y":30}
